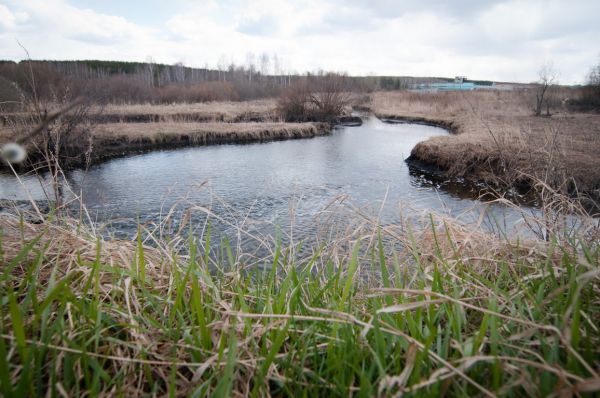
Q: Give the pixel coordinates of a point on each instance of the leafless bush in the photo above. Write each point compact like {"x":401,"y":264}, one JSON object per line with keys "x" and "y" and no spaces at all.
{"x":201,"y":92}
{"x":315,"y":98}
{"x":294,"y":104}
{"x":9,"y":97}
{"x":31,"y":79}
{"x":594,"y":79}
{"x":114,"y":89}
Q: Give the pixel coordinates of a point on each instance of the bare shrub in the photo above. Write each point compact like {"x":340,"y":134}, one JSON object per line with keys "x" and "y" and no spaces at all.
{"x":594,"y":80}
{"x":32,"y":80}
{"x":9,"y":97}
{"x":117,"y":89}
{"x":294,"y":103}
{"x":315,"y":98}
{"x":201,"y":92}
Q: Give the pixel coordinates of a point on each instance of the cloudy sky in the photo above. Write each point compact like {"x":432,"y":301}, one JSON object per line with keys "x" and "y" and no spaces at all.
{"x":499,"y":40}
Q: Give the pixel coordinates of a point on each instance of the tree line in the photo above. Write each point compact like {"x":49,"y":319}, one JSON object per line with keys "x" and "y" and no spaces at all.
{"x":135,"y":82}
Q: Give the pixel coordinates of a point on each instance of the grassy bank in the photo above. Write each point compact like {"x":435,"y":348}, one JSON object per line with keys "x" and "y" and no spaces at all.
{"x":116,"y":138}
{"x":497,"y":138}
{"x":456,"y":312}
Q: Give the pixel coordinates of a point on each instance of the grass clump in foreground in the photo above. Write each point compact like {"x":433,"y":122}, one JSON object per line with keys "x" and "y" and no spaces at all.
{"x":456,"y":313}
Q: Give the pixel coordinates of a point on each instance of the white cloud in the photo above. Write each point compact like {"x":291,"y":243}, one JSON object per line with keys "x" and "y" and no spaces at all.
{"x":10,"y":20}
{"x":501,"y":40}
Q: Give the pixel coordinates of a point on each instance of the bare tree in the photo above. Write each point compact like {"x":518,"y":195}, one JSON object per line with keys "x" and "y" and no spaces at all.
{"x":594,"y":76}
{"x":50,"y":136}
{"x":179,"y":72}
{"x":250,"y":62}
{"x":150,"y":71}
{"x":593,"y":89}
{"x":548,"y":77}
{"x":222,"y":67}
{"x":265,"y":64}
{"x":330,"y":95}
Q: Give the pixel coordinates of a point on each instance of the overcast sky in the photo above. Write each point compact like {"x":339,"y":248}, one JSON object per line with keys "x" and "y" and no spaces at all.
{"x":499,"y":40}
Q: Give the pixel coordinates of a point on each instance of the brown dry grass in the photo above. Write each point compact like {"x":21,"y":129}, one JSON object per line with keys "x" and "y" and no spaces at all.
{"x":122,"y":137}
{"x":226,"y":111}
{"x":199,"y":132}
{"x":118,"y":129}
{"x":217,"y":111}
{"x":114,"y":139}
{"x":497,"y":136}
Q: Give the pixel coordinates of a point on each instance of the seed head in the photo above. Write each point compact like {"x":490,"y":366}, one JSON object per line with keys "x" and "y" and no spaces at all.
{"x":12,"y":153}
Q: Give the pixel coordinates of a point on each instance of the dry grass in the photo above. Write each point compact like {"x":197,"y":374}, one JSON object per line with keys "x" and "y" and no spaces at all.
{"x":455,"y":312}
{"x":132,"y":136}
{"x":218,"y":111}
{"x":497,"y":136}
{"x":258,"y":110}
{"x":109,"y":139}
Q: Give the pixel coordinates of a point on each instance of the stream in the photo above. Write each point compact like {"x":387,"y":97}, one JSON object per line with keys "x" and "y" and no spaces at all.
{"x":293,"y":186}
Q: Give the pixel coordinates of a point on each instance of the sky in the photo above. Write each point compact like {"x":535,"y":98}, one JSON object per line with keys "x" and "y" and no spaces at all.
{"x":496,"y":40}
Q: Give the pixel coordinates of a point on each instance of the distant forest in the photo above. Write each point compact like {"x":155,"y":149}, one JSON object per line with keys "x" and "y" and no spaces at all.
{"x":128,"y":82}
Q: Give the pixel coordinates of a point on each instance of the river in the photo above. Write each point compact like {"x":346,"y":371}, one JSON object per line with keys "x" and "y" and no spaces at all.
{"x":289,"y":185}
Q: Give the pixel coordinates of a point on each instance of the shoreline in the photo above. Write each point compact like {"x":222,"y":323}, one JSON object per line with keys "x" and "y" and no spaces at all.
{"x":122,"y":139}
{"x":435,"y":169}
{"x":450,"y":126}
{"x":495,"y":140}
{"x":121,"y":145}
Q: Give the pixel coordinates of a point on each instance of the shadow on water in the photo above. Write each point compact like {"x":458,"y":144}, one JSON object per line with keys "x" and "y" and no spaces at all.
{"x":467,"y":190}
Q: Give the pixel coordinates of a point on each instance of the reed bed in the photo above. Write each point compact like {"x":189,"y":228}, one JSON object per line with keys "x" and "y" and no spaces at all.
{"x":157,"y":131}
{"x":446,"y":310}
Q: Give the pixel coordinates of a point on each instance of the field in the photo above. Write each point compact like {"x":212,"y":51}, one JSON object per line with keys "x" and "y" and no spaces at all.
{"x":241,"y":111}
{"x":498,"y":140}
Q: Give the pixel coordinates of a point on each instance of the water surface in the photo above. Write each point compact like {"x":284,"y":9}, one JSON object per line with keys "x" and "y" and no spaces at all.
{"x":264,"y":185}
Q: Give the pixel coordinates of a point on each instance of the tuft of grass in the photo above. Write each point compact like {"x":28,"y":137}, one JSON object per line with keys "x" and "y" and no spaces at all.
{"x":453,"y":313}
